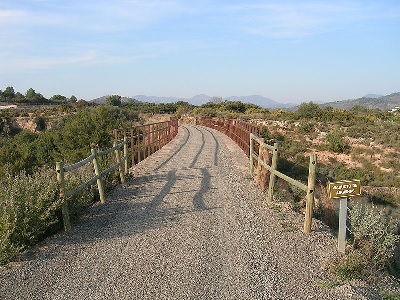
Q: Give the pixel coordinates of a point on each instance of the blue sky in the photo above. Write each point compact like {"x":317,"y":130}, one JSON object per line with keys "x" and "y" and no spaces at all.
{"x":289,"y":51}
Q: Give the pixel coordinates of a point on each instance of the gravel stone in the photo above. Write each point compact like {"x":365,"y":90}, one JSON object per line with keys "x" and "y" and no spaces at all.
{"x":191,"y":224}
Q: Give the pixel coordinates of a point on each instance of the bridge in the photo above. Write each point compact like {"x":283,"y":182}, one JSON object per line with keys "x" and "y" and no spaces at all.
{"x":191,"y":224}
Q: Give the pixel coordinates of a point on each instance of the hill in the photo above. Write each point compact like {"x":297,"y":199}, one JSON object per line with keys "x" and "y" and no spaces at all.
{"x":259,"y":100}
{"x":201,"y":99}
{"x":387,"y":102}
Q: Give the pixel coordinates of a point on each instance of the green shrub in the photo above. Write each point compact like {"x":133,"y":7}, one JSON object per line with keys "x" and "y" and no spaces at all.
{"x":373,"y":235}
{"x":27,"y":209}
{"x":84,"y":198}
{"x":306,"y":127}
{"x":336,"y":143}
{"x":40,"y":123}
{"x":351,"y":267}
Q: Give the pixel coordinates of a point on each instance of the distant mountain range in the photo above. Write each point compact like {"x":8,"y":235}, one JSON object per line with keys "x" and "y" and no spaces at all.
{"x":202,"y":99}
{"x":370,"y":101}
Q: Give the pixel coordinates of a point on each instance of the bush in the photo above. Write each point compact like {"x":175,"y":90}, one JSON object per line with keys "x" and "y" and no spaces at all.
{"x":40,"y":123}
{"x":27,"y":209}
{"x":336,"y":143}
{"x":352,"y":267}
{"x":373,"y":235}
{"x":83,"y":198}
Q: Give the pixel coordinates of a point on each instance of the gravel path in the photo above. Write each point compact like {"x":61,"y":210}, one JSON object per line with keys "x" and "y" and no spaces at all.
{"x":191,"y":225}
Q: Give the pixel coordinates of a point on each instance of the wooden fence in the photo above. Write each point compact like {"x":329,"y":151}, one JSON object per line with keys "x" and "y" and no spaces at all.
{"x":99,"y":174}
{"x":143,"y":141}
{"x":309,"y":189}
{"x":247,"y":136}
{"x":239,"y":131}
{"x":146,"y":139}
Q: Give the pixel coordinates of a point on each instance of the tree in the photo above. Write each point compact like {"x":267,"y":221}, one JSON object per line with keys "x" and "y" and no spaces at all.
{"x":30,"y":94}
{"x":58,"y":98}
{"x":8,"y":94}
{"x":73,"y":99}
{"x":235,"y":106}
{"x":308,"y":110}
{"x":32,"y":97}
{"x":114,"y":100}
{"x":19,"y":97}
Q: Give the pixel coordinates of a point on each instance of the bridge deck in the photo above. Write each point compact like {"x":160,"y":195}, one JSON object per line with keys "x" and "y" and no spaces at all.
{"x":191,"y":225}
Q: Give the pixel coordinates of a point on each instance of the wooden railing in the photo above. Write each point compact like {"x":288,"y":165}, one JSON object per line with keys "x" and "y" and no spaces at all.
{"x":142,"y":141}
{"x":247,"y":136}
{"x":146,"y":139}
{"x":239,"y":131}
{"x":61,"y":169}
{"x":309,"y":189}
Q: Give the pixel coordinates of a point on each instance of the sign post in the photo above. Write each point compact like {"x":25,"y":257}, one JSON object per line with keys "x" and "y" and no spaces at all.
{"x":342,"y":225}
{"x":343,"y":190}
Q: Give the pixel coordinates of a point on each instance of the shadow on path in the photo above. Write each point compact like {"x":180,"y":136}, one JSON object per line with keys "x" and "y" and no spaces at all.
{"x":216,"y":147}
{"x":187,"y":136}
{"x":198,"y":200}
{"x":200,"y":150}
{"x":171,"y":179}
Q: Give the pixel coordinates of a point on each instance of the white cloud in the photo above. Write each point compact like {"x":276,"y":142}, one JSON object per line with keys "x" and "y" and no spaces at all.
{"x":15,"y":64}
{"x":120,"y":15}
{"x":299,"y":19}
{"x":10,"y":15}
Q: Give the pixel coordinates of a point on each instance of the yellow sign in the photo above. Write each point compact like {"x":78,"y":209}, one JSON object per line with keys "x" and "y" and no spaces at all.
{"x":344,"y":189}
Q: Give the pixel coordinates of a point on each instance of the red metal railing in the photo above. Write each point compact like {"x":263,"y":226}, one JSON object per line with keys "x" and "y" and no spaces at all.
{"x":147,"y":139}
{"x":239,"y":131}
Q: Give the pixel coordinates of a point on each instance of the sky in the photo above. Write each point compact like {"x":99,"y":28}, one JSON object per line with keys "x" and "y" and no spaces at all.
{"x":291,"y":51}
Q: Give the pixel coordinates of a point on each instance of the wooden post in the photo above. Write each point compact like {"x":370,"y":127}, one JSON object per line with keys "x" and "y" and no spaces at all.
{"x":151,"y":138}
{"x":169,"y":132}
{"x":138,"y":143}
{"x":118,"y":159}
{"x":310,"y":193}
{"x":100,"y":184}
{"x":251,"y":156}
{"x":342,"y":225}
{"x":272,"y":175}
{"x":132,"y":148}
{"x":148,"y":141}
{"x":64,"y":207}
{"x":126,"y":167}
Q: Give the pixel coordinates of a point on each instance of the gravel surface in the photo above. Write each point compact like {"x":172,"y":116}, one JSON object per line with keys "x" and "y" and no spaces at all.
{"x":190,"y":225}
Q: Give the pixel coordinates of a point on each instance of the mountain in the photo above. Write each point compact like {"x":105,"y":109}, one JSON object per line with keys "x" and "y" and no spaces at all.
{"x":201,"y":99}
{"x":259,"y":100}
{"x":102,"y":100}
{"x":387,"y":102}
{"x":372,"y":96}
{"x":155,"y":99}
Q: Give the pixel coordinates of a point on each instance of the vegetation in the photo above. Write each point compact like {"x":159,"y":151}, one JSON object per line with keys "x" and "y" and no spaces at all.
{"x":29,"y":205}
{"x":373,"y":234}
{"x":28,"y":208}
{"x":358,"y":143}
